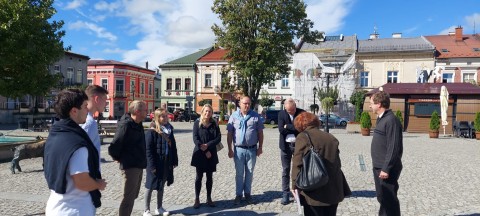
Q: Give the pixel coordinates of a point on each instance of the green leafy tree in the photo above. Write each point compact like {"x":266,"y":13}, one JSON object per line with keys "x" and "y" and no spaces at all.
{"x":331,"y":93}
{"x":327,"y":104}
{"x":435,"y":121}
{"x":365,"y":120}
{"x":476,"y":122}
{"x":357,"y":99}
{"x":30,"y":41}
{"x":266,"y":101}
{"x":398,"y":114}
{"x":258,"y":37}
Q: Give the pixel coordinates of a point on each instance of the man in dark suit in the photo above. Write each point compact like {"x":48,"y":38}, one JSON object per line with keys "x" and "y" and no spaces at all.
{"x":288,"y":134}
{"x":387,"y":150}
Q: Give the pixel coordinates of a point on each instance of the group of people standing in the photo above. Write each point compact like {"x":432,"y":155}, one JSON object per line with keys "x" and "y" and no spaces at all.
{"x":72,"y":155}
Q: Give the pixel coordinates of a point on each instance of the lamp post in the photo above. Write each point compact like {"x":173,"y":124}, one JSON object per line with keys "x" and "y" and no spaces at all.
{"x":327,"y":77}
{"x":314,"y":93}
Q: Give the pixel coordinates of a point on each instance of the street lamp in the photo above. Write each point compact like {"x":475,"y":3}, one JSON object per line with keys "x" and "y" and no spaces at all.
{"x":327,"y":76}
{"x":314,"y":93}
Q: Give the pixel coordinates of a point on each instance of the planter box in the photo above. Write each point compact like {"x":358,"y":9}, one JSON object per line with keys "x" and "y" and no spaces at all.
{"x":353,"y":128}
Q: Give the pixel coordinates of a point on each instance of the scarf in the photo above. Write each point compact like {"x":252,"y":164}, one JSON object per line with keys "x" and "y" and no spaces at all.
{"x":243,"y":123}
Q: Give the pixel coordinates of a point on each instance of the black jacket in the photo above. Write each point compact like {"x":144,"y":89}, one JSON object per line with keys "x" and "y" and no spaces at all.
{"x":64,"y":139}
{"x":284,"y":119}
{"x":128,"y":145}
{"x":387,"y":143}
{"x":211,"y":136}
{"x":155,"y":145}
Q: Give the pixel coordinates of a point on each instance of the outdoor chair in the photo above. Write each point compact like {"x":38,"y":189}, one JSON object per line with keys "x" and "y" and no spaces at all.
{"x":462,"y":129}
{"x":472,"y":129}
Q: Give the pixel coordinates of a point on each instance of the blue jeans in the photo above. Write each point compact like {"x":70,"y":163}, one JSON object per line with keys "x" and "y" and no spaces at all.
{"x":244,"y":165}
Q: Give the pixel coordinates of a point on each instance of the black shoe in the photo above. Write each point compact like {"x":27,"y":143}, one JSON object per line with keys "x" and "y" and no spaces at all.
{"x":285,"y":199}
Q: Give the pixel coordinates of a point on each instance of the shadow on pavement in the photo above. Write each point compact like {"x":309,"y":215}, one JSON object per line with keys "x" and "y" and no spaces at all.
{"x":226,"y":207}
{"x":364,"y":193}
{"x":474,"y":214}
{"x":43,"y":213}
{"x":177,"y":131}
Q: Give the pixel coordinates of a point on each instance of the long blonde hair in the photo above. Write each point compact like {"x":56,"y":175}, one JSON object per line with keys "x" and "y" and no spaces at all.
{"x":158,"y":112}
{"x":204,"y":121}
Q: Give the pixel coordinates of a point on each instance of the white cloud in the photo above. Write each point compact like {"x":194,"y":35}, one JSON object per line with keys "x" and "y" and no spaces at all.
{"x":447,"y":30}
{"x":468,"y":25}
{"x":75,"y":4}
{"x":114,"y":50}
{"x":99,"y":31}
{"x":189,"y":32}
{"x":105,"y":6}
{"x":327,"y":15}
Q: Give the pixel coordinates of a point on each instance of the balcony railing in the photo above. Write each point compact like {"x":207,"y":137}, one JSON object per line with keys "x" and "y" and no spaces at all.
{"x":119,"y":94}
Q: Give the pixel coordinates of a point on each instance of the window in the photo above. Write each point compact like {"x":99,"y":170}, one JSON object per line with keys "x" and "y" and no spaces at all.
{"x":475,"y":49}
{"x":56,"y":69}
{"x":169,"y":84}
{"x":142,"y":88}
{"x":363,"y":79}
{"x":178,"y":83}
{"x":208,"y":80}
{"x":445,"y":50}
{"x":150,"y":89}
{"x":105,"y":83}
{"x":69,"y":76}
{"x":188,"y":84}
{"x":156,"y":93}
{"x":271,"y":84}
{"x":132,"y":86}
{"x":392,"y":77}
{"x":79,"y":76}
{"x":119,"y":87}
{"x":285,"y":81}
{"x":468,"y":77}
{"x":447,"y":78}
{"x":89,"y":82}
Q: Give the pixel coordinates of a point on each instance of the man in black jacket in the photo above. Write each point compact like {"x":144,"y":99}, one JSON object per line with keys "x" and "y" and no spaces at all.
{"x":386,"y":150}
{"x":71,"y":160}
{"x":128,"y":149}
{"x":288,"y":134}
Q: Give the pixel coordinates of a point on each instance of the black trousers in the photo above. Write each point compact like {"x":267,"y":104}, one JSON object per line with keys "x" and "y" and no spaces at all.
{"x":387,"y":192}
{"x":198,"y":183}
{"x":309,"y":210}
{"x":286,"y":157}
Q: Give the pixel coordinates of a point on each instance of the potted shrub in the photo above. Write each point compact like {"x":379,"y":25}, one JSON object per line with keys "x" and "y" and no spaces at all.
{"x":434,"y":125}
{"x":365,"y":123}
{"x":398,"y":114}
{"x":476,"y":125}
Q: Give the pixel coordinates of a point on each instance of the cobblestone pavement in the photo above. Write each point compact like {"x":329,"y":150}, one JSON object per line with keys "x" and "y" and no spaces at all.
{"x":440,"y":177}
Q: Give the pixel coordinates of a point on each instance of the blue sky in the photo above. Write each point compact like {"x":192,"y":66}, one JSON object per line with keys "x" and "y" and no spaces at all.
{"x":157,"y":31}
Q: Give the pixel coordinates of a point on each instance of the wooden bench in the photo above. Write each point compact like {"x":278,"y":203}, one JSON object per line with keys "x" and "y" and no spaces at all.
{"x":107,"y":127}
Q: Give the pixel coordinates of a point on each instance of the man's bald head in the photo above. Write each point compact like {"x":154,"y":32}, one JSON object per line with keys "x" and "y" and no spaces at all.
{"x":290,"y":106}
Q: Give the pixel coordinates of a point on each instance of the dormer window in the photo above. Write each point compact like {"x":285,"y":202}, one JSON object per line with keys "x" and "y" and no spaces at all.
{"x":444,"y":50}
{"x":476,"y":49}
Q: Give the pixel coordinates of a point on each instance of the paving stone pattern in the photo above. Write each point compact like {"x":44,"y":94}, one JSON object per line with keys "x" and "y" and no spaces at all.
{"x":440,"y":177}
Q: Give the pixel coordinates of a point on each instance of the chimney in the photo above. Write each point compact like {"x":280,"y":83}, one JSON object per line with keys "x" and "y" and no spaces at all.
{"x":459,"y":34}
{"x":146,"y":64}
{"x":396,"y":35}
{"x":374,"y":36}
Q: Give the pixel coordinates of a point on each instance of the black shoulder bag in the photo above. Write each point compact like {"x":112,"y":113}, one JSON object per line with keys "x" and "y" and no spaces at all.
{"x":313,"y":173}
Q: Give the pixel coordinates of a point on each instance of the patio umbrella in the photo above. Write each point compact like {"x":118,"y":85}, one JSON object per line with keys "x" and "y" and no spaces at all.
{"x":444,"y":106}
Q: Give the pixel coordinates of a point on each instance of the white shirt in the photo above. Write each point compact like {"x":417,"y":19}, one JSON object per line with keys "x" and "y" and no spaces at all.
{"x":290,"y":137}
{"x":91,"y":127}
{"x":74,"y":201}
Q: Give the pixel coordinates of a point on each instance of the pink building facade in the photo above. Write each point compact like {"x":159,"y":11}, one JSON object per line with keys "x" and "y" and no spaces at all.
{"x":124,"y":82}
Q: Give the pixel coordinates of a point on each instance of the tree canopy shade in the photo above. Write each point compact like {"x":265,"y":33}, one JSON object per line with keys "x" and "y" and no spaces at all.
{"x":29,"y":42}
{"x":258,"y":35}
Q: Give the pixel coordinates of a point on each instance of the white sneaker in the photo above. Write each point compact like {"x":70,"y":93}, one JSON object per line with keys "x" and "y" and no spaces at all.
{"x":162,"y":211}
{"x":147,"y":213}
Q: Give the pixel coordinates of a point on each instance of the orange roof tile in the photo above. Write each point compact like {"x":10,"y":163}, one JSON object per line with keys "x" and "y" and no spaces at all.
{"x":216,"y":55}
{"x":456,"y":49}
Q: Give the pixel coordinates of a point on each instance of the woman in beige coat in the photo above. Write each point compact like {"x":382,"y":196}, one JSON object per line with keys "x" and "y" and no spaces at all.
{"x":323,"y":201}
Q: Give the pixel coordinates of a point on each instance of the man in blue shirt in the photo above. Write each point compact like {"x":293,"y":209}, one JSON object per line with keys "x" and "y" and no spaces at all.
{"x":245,"y":130}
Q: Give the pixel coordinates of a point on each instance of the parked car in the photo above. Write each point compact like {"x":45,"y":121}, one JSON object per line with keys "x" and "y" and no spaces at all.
{"x":216,"y":115}
{"x":271,"y":116}
{"x":333,"y":120}
{"x":182,"y":115}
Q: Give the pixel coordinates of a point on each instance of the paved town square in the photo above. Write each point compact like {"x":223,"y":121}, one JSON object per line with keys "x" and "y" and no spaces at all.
{"x":440,"y":177}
